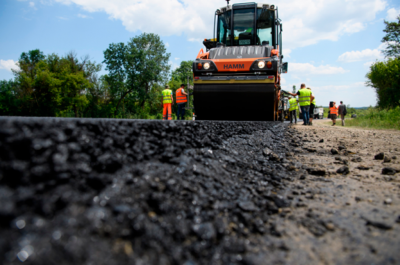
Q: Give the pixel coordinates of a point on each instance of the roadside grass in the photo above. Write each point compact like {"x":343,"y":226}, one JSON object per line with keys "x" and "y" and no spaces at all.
{"x":376,"y":119}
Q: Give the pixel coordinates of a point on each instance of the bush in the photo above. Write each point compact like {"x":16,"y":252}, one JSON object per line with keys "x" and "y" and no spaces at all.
{"x":377,"y":119}
{"x":385,"y":78}
{"x":159,"y":116}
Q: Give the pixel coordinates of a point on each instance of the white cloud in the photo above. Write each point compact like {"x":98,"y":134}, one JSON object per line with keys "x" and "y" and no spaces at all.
{"x":364,"y":55}
{"x":368,"y":64}
{"x":355,"y":56}
{"x":286,"y":53}
{"x":310,"y":21}
{"x":32,"y":4}
{"x":195,"y":39}
{"x":176,"y":58}
{"x":167,"y":44}
{"x":336,"y":87}
{"x":83,"y":16}
{"x":173,"y":65}
{"x":392,"y":14}
{"x":309,"y":69}
{"x":8,"y":65}
{"x":304,"y":22}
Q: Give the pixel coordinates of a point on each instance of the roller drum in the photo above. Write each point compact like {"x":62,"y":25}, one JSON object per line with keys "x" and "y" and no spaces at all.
{"x":234,"y":102}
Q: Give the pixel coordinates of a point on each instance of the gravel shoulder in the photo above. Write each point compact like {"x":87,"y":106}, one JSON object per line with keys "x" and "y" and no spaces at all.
{"x":87,"y":191}
{"x":346,"y":189}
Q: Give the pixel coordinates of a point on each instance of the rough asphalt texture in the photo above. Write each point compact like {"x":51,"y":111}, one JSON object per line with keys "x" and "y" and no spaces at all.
{"x":83,"y":191}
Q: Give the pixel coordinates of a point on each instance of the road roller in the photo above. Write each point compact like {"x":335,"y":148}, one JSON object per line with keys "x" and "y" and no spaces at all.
{"x":237,"y":76}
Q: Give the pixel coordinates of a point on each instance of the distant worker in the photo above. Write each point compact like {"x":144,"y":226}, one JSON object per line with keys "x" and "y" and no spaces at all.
{"x":312,"y":107}
{"x":342,"y":111}
{"x":167,"y":101}
{"x":305,"y":98}
{"x":181,"y":100}
{"x":334,"y":112}
{"x":292,"y":109}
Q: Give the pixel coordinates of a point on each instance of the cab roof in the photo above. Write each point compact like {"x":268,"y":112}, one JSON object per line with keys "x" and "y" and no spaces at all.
{"x":259,"y":5}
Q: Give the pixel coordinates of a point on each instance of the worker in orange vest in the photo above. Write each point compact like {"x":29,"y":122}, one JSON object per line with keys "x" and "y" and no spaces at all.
{"x":181,"y":100}
{"x":334,"y":112}
{"x":167,"y":101}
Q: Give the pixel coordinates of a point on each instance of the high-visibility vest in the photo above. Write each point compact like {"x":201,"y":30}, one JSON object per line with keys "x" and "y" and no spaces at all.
{"x":334,"y":110}
{"x":304,"y":97}
{"x":167,"y":93}
{"x":314,"y":102}
{"x":180,"y":97}
{"x":293,"y":104}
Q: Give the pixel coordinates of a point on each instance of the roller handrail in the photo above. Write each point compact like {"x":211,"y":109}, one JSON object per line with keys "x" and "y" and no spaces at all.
{"x":200,"y":53}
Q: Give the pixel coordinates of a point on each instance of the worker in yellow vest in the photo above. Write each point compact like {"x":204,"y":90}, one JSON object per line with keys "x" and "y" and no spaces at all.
{"x":312,"y":107}
{"x":293,"y":109}
{"x":305,"y":98}
{"x":334,"y":112}
{"x":181,"y":100}
{"x":167,"y":101}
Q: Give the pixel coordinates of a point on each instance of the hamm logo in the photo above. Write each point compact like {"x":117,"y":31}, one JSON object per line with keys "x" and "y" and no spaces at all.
{"x":233,"y":66}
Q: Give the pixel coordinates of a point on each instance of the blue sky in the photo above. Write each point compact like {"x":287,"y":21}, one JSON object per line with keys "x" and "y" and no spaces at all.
{"x":329,"y":44}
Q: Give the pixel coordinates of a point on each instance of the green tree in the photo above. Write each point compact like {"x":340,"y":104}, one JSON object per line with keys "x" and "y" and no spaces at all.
{"x":118,"y":69}
{"x":28,"y":60}
{"x":52,"y":85}
{"x":392,"y":38}
{"x":384,"y":77}
{"x":135,"y":68}
{"x":76,"y":78}
{"x":99,"y":99}
{"x":8,"y":101}
{"x":184,"y":71}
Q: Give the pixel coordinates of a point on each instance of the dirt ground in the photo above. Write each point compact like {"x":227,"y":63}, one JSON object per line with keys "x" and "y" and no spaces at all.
{"x":359,"y":211}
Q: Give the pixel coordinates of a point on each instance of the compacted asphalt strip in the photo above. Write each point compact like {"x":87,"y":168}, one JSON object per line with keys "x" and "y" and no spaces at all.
{"x":106,"y":191}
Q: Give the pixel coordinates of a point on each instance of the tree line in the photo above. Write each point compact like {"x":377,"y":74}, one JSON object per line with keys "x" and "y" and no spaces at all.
{"x":384,"y":76}
{"x":68,"y":86}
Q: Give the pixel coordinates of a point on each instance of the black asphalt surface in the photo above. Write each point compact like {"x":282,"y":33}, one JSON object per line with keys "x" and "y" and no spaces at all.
{"x":98,"y":191}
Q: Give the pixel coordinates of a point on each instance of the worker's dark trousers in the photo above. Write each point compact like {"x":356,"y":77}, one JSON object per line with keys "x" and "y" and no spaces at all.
{"x":306,"y":113}
{"x":292,"y":114}
{"x":181,"y":111}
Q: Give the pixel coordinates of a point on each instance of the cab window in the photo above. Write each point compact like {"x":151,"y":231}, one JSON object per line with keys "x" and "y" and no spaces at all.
{"x":224,"y":28}
{"x":265,"y":22}
{"x":243,"y":27}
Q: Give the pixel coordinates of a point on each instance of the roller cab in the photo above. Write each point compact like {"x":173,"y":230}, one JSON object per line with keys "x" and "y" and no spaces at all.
{"x":238,"y":77}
